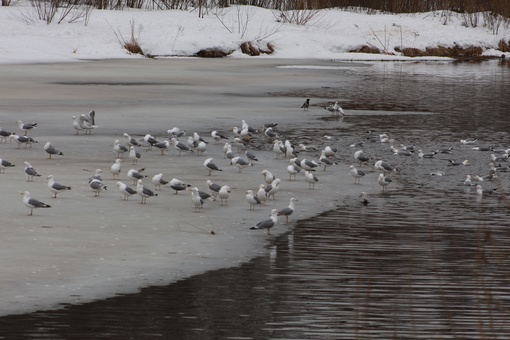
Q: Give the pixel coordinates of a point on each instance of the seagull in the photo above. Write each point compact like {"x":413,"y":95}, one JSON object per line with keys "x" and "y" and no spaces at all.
{"x":329,"y":151}
{"x":200,"y":148}
{"x":335,"y":109}
{"x":4,"y":135}
{"x":273,"y":188}
{"x":32,"y":203}
{"x":251,"y":156}
{"x":196,"y":199}
{"x":210,"y":166}
{"x":468,"y":141}
{"x":4,"y":164}
{"x":56,"y":187}
{"x":135,"y":175}
{"x":325,"y":161}
{"x":384,"y":181}
{"x":130,"y":140}
{"x":309,"y":165}
{"x":451,"y":162}
{"x":162,"y":146}
{"x":180,"y":146}
{"x":23,"y":140}
{"x":26,"y":127}
{"x":158,"y":180}
{"x":306,"y":148}
{"x":88,"y":122}
{"x":270,"y":134}
{"x":357,"y":174}
{"x":268,"y":176}
{"x":134,"y":155}
{"x":239,"y":144}
{"x":361,"y":157}
{"x":293,"y":171}
{"x":215,"y":188}
{"x":252,"y":199}
{"x":178,"y":185}
{"x":426,"y":155}
{"x":149,"y":139}
{"x":119,"y":149}
{"x":278,"y":148}
{"x":224,"y":194}
{"x":31,"y":172}
{"x":144,"y":192}
{"x":288,"y":211}
{"x":364,"y":198}
{"x":217,"y":136}
{"x":384,"y":167}
{"x":467,"y":182}
{"x":97,"y":175}
{"x":228,"y":152}
{"x":306,"y":105}
{"x":126,"y":190}
{"x":261,"y":194}
{"x":241,"y":163}
{"x":311,"y":179}
{"x":76,"y":124}
{"x":97,"y":186}
{"x":502,"y":158}
{"x":115,"y":168}
{"x":176,"y":132}
{"x":480,"y":191}
{"x":269,"y":223}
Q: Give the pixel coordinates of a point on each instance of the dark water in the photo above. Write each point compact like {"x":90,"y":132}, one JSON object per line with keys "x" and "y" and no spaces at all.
{"x":430,"y":259}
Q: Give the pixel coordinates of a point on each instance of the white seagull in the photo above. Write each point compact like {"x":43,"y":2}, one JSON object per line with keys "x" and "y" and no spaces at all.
{"x":269,"y":223}
{"x":56,"y":187}
{"x":32,"y":203}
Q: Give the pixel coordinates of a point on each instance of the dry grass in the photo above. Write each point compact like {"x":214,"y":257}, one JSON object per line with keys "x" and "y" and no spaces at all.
{"x":504,"y":46}
{"x":132,"y":45}
{"x":367,"y":49}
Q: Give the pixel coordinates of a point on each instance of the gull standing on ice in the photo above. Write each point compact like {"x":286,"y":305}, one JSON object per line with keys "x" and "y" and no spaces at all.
{"x":56,"y":187}
{"x":31,"y":172}
{"x":224,"y":194}
{"x":50,"y":150}
{"x":384,"y":181}
{"x":311,"y":179}
{"x":97,"y":186}
{"x":269,"y":223}
{"x":4,"y":164}
{"x":357,"y":174}
{"x":126,"y":190}
{"x":252,"y":199}
{"x":32,"y":203}
{"x":144,"y":192}
{"x":158,"y":181}
{"x":26,"y":127}
{"x":115,"y":168}
{"x":288,"y":210}
{"x":210,"y":166}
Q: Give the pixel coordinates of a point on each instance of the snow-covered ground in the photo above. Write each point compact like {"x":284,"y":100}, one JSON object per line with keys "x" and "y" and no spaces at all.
{"x":331,"y":34}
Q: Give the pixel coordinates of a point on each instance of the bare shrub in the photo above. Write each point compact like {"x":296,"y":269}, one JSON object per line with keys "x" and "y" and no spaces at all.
{"x":132,"y":45}
{"x":504,"y":46}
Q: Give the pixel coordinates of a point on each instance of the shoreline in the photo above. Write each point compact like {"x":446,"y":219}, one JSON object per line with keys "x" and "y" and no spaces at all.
{"x":85,"y":248}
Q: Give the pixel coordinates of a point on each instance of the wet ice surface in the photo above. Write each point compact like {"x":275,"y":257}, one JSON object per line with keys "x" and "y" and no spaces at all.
{"x":428,"y":259}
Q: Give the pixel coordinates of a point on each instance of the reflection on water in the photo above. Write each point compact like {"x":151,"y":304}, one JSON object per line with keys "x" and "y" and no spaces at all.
{"x":429,"y":259}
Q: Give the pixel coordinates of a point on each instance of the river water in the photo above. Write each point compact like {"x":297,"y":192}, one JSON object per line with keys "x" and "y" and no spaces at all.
{"x":427,"y":259}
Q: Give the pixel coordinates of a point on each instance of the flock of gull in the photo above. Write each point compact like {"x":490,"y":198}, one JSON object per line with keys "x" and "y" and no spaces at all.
{"x":238,"y":151}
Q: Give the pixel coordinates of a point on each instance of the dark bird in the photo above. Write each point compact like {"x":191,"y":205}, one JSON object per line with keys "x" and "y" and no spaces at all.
{"x":306,"y":105}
